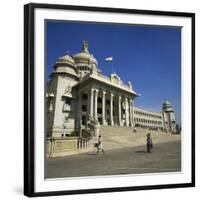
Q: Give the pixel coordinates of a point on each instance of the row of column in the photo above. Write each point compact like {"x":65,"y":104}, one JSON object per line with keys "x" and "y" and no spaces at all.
{"x":93,"y":105}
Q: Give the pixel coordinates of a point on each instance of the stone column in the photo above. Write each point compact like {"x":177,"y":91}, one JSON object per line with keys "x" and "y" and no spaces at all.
{"x":95,"y":103}
{"x":133,"y":118}
{"x":131,"y":112}
{"x":91,"y":102}
{"x":103,"y":107}
{"x":111,"y":109}
{"x":88,"y":117}
{"x":80,"y":108}
{"x":126,"y":111}
{"x":119,"y":111}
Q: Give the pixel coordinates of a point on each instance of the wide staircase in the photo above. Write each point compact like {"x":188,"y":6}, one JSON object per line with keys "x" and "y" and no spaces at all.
{"x":120,"y":137}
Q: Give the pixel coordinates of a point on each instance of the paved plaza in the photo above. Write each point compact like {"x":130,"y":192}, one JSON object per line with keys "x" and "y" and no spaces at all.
{"x":131,"y":160}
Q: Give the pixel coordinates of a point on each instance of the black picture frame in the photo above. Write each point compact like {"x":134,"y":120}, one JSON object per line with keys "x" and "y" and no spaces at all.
{"x":29,"y":87}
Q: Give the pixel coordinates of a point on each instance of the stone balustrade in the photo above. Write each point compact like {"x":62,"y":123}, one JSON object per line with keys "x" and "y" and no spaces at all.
{"x":83,"y":143}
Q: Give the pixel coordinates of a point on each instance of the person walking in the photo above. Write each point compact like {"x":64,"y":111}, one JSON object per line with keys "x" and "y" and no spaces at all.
{"x":100,"y":145}
{"x":149,"y":143}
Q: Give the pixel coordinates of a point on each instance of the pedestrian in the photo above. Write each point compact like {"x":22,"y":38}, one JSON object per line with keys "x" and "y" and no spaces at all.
{"x":149,"y":143}
{"x":100,"y":145}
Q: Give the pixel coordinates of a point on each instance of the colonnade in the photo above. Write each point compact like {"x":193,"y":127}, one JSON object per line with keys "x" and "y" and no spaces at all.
{"x":116,"y":109}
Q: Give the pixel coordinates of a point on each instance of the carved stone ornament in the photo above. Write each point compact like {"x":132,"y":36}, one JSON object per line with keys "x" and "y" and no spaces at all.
{"x":68,"y":89}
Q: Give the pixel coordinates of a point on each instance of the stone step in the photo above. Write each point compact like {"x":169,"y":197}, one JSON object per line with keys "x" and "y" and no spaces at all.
{"x":120,"y":137}
{"x":123,"y":131}
{"x":116,"y":130}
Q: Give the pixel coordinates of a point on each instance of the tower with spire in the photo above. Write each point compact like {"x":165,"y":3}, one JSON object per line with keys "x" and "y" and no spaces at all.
{"x":169,"y":121}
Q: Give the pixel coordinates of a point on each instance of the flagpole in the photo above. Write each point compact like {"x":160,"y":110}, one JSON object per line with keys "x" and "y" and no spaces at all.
{"x":110,"y":59}
{"x":112,"y":67}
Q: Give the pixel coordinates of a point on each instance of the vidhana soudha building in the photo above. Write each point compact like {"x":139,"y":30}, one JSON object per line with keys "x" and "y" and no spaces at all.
{"x":79,"y":98}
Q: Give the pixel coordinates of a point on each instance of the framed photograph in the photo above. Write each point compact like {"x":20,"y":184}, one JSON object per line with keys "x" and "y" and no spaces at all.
{"x":108,"y":99}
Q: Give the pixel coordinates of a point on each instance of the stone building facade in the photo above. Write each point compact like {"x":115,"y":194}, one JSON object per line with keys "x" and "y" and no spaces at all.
{"x":78,"y":92}
{"x":164,"y":120}
{"x":148,"y":119}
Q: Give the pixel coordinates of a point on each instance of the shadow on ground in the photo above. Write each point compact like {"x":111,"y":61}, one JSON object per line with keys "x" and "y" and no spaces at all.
{"x":140,"y":151}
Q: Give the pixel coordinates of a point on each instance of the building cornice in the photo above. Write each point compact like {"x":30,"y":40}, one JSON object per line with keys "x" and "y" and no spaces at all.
{"x":107,"y":80}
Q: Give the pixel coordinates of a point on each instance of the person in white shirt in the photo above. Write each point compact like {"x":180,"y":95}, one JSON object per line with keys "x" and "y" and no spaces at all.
{"x":100,"y":145}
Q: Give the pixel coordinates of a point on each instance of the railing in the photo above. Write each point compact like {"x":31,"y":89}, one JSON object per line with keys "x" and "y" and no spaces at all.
{"x":125,"y":86}
{"x":83,"y":143}
{"x":66,"y":146}
{"x":104,"y":77}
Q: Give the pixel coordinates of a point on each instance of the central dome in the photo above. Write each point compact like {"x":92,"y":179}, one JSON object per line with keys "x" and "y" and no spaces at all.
{"x":84,"y":57}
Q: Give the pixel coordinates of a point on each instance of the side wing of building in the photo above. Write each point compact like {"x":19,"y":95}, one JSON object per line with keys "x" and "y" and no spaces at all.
{"x":148,"y":119}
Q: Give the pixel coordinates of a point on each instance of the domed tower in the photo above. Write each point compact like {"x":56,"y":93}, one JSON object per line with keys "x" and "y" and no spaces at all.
{"x":66,"y":65}
{"x":168,"y":117}
{"x":60,"y":97}
{"x":85,"y":62}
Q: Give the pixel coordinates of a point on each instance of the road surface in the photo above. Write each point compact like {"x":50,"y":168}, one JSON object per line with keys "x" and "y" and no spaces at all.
{"x":133,"y":160}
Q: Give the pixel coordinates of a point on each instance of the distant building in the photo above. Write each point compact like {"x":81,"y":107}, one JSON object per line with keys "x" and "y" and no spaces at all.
{"x":79,"y":93}
{"x":164,"y":120}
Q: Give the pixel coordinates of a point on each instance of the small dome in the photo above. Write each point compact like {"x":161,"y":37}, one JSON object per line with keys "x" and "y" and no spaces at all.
{"x":84,"y":56}
{"x":167,"y":106}
{"x":66,"y":59}
{"x":166,"y":103}
{"x":66,"y":64}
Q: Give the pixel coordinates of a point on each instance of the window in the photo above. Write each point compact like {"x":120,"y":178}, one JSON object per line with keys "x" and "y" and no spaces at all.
{"x":99,"y":110}
{"x":84,"y":108}
{"x":68,"y":101}
{"x":66,"y":120}
{"x":84,"y":96}
{"x":99,"y":100}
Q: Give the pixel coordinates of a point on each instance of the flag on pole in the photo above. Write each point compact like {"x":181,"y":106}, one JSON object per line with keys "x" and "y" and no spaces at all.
{"x":109,"y":59}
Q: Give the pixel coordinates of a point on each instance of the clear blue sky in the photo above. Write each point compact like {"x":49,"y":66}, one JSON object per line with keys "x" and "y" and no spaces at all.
{"x":148,"y":56}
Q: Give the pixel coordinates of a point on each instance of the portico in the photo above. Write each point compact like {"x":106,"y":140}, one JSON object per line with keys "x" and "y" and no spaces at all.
{"x":105,"y":103}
